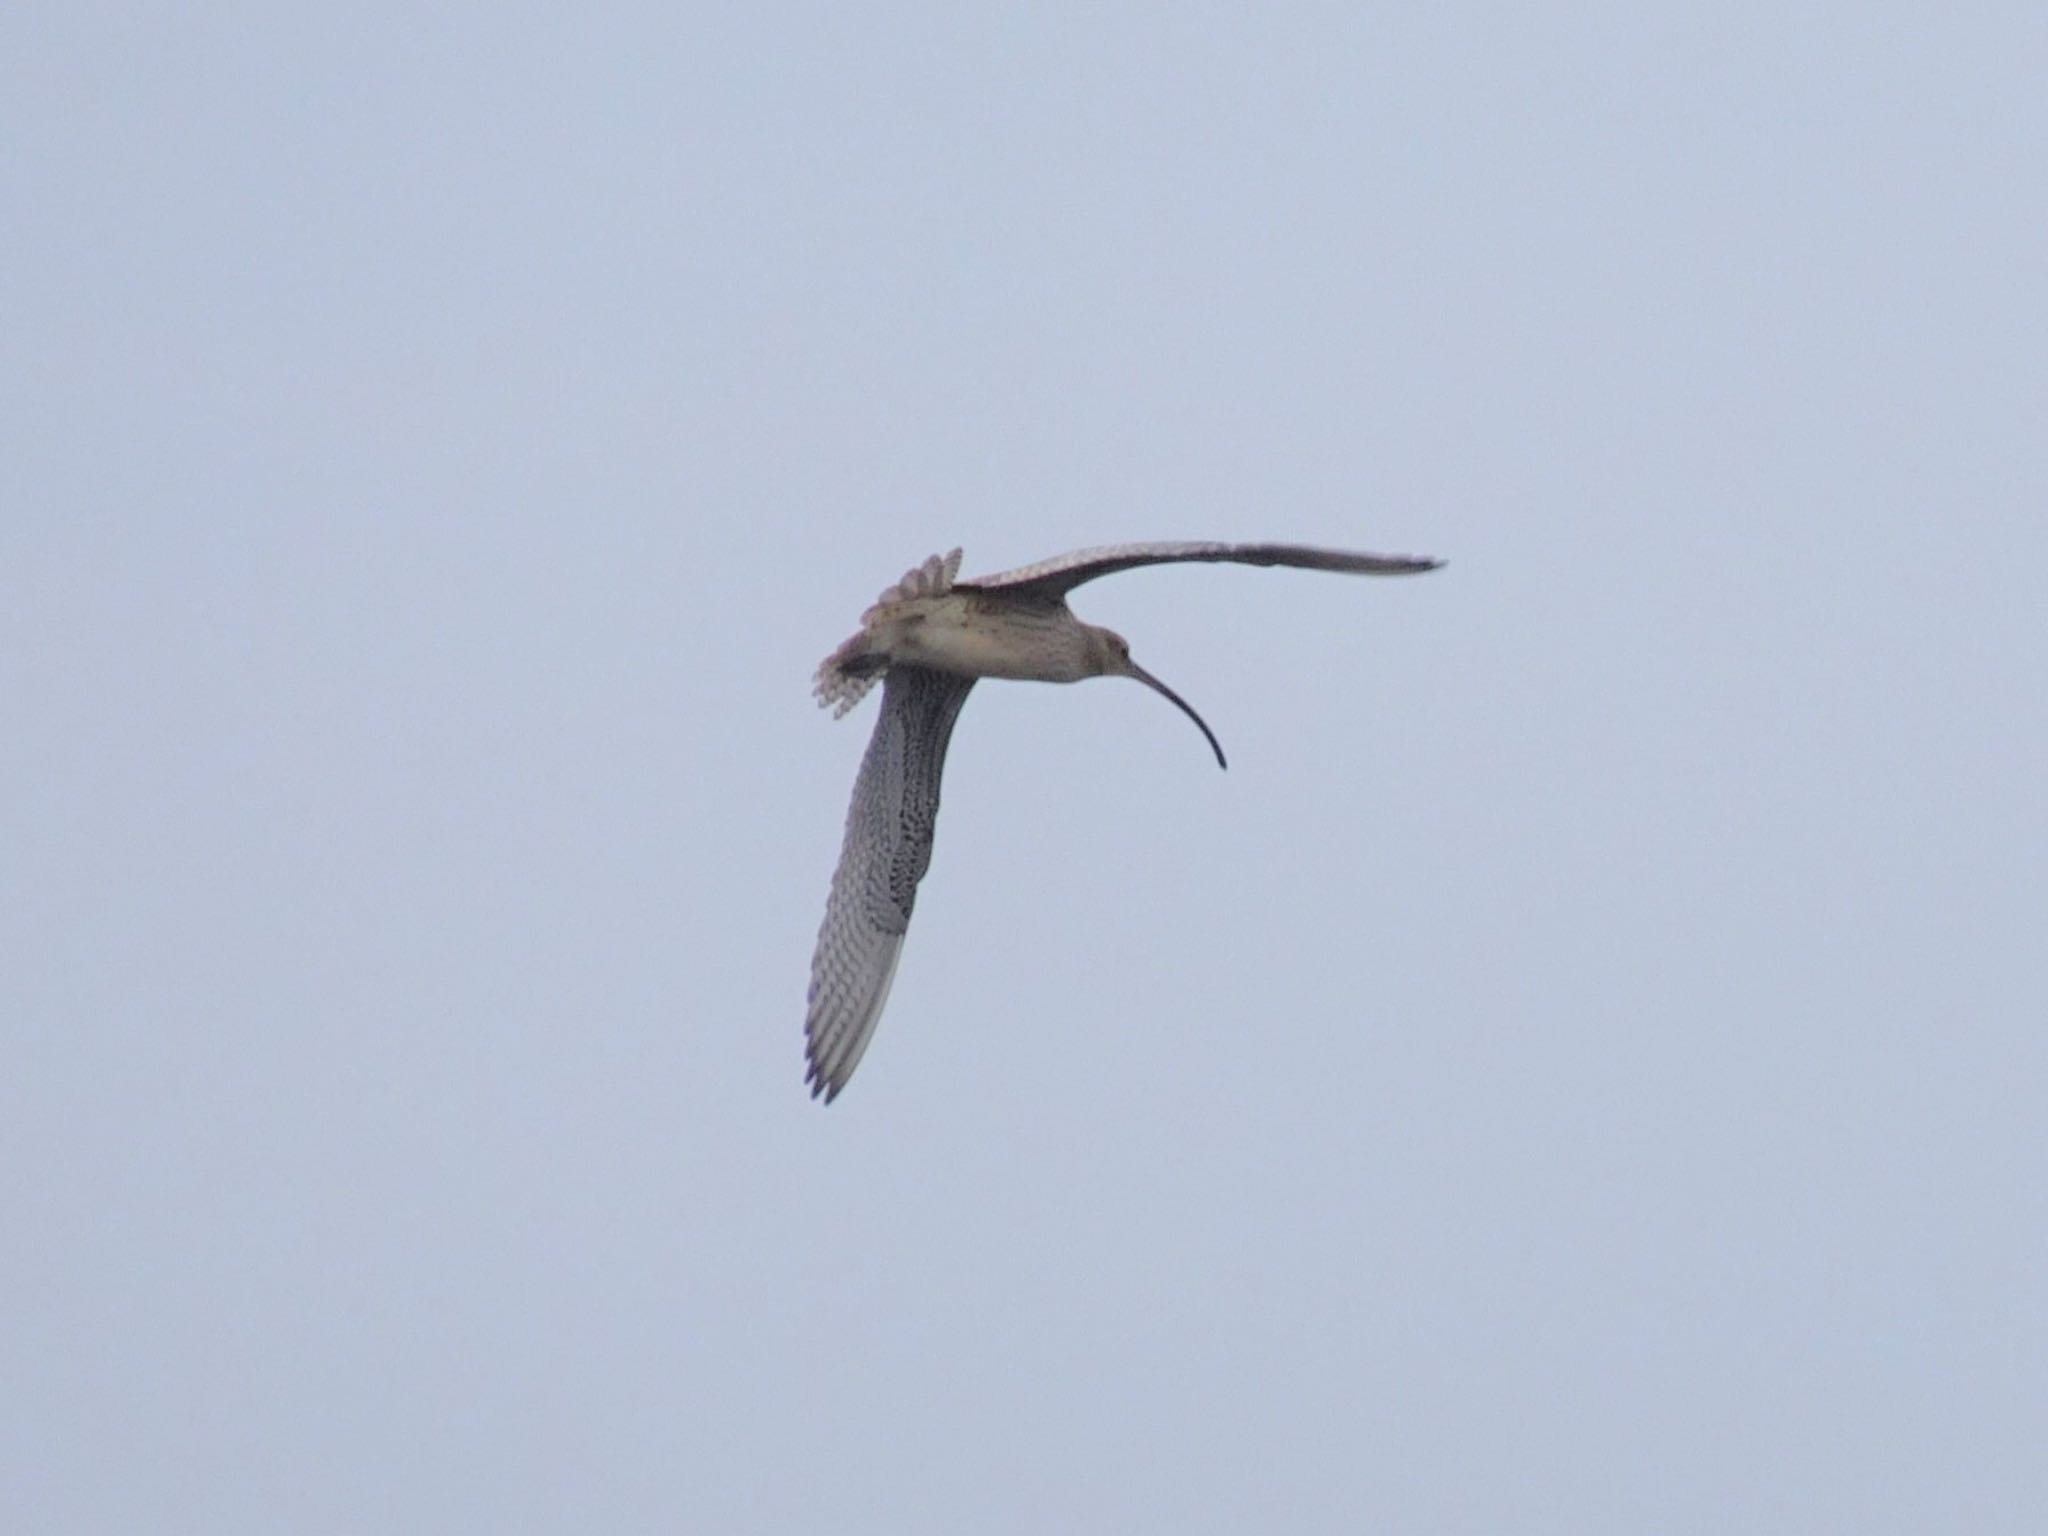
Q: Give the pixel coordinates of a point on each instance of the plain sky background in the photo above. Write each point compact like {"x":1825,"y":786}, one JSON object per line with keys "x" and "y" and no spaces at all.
{"x":1583,"y":1068}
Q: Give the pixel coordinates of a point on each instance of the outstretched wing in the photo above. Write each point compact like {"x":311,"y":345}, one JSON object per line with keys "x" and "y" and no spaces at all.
{"x":887,"y":850}
{"x":1054,"y":578}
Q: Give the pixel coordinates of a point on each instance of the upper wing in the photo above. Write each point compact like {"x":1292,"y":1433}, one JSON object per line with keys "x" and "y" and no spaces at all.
{"x":887,"y":850}
{"x":1058,"y":576}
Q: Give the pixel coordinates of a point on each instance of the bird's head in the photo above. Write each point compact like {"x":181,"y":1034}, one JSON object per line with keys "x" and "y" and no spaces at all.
{"x":1109,"y":655}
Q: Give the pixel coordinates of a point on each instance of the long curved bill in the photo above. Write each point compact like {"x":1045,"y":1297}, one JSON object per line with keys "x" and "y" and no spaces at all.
{"x":1182,"y":705}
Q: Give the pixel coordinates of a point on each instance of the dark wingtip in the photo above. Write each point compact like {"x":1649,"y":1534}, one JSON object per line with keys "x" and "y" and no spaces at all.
{"x":821,"y":1088}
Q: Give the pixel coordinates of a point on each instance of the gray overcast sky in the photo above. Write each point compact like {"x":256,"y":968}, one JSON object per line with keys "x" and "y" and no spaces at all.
{"x":1581,"y":1070}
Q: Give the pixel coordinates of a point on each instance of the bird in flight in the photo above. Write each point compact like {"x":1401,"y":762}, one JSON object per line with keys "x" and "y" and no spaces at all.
{"x":927,"y":639}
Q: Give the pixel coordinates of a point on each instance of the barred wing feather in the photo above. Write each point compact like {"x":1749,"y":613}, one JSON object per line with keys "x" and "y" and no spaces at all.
{"x":1053,"y":579}
{"x":888,"y":847}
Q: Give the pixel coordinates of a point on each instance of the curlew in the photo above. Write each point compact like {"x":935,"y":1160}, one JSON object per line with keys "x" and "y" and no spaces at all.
{"x":928,"y":638}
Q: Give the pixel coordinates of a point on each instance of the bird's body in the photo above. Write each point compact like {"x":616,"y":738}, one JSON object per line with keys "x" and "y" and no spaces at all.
{"x":928,"y":638}
{"x":973,"y":634}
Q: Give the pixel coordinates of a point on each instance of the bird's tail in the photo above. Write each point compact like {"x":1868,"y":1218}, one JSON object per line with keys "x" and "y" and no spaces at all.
{"x":845,"y":676}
